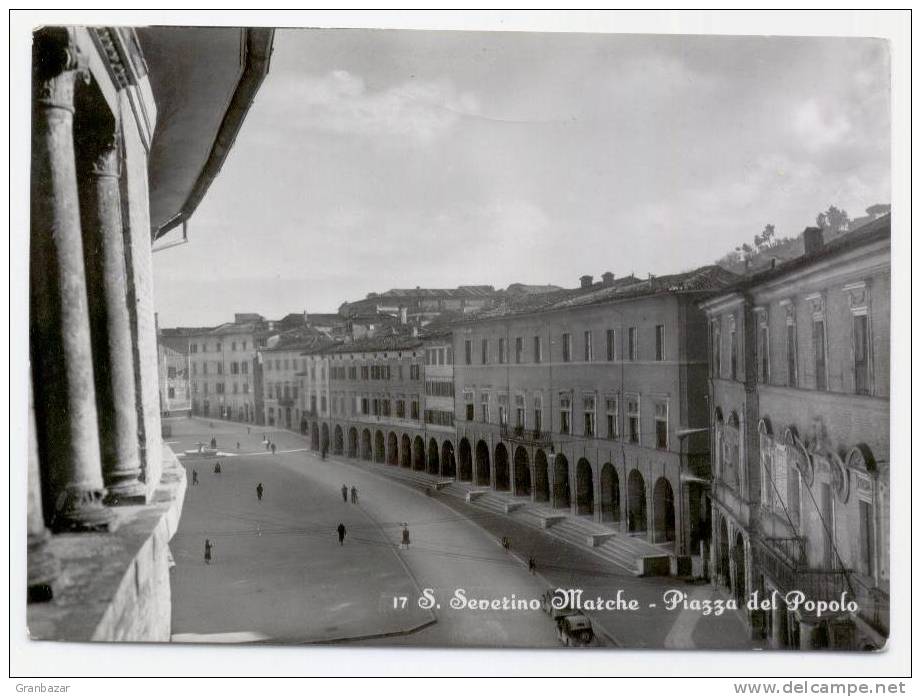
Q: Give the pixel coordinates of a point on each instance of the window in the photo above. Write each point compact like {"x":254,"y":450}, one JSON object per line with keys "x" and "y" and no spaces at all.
{"x":519,"y":411}
{"x":245,"y":388}
{"x":866,"y":536}
{"x":631,"y":344}
{"x":244,"y":367}
{"x":660,"y":342}
{"x":538,"y":412}
{"x":503,"y":408}
{"x":484,"y":351}
{"x":468,"y":405}
{"x":791,"y":352}
{"x":484,"y":407}
{"x":567,"y":348}
{"x":194,"y":368}
{"x":193,"y":348}
{"x":861,"y":354}
{"x":194,"y":388}
{"x":414,"y":372}
{"x":565,"y":412}
{"x":662,"y":425}
{"x":519,"y":349}
{"x":633,"y":419}
{"x":233,"y":345}
{"x":364,"y":405}
{"x":611,"y":344}
{"x":218,"y":347}
{"x":588,"y":413}
{"x":733,"y":350}
{"x":502,"y":351}
{"x":401,"y":408}
{"x":589,"y":352}
{"x":537,"y":350}
{"x":171,"y":373}
{"x":468,"y":351}
{"x":220,"y":368}
{"x":764,"y":365}
{"x":277,"y":364}
{"x":171,"y":392}
{"x":611,"y":411}
{"x":818,"y":348}
{"x":219,"y":388}
{"x":717,"y":349}
{"x":244,"y":345}
{"x":414,"y":410}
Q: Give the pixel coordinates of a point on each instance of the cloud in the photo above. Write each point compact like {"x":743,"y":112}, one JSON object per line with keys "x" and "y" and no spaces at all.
{"x":820,"y":127}
{"x":341,"y":102}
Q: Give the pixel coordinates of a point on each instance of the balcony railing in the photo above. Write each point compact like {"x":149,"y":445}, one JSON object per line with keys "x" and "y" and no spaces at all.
{"x":520,"y":434}
{"x":784,"y":560}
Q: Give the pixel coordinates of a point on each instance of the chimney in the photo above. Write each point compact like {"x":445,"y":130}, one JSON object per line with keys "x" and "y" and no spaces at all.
{"x":585,"y":281}
{"x":607,"y":279}
{"x":813,"y":240}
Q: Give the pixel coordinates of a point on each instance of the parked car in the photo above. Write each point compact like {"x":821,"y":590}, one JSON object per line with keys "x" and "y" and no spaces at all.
{"x":575,"y":630}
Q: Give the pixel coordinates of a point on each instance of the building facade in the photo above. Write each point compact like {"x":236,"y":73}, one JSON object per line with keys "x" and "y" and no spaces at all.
{"x":593,"y":401}
{"x":106,"y":139}
{"x":175,"y":389}
{"x":222,"y":372}
{"x":799,"y":393}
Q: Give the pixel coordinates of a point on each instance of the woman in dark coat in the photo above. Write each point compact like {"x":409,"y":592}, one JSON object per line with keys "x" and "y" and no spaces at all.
{"x":208,"y":548}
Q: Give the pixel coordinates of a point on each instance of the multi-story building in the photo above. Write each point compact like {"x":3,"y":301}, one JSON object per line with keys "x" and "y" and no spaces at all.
{"x":594,"y":401}
{"x":285,"y":369}
{"x":438,"y":402}
{"x":799,"y":395}
{"x":124,"y":145}
{"x":315,"y":399}
{"x":175,"y":390}
{"x":375,"y":402}
{"x":222,"y":370}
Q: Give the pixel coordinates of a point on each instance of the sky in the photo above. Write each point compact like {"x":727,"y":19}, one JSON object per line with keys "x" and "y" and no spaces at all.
{"x":377,"y":159}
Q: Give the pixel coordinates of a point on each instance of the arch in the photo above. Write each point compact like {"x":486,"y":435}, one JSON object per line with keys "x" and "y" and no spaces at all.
{"x":366,"y":444}
{"x":502,"y":473}
{"x":406,"y":454}
{"x":663,"y":511}
{"x":353,"y":442}
{"x":522,"y":472}
{"x":610,"y":494}
{"x":482,"y":464}
{"x":379,"y":451}
{"x":448,"y":464}
{"x":314,"y":436}
{"x":466,"y":460}
{"x":585,"y":488}
{"x":324,"y":438}
{"x":636,"y":502}
{"x":337,"y":440}
{"x":561,"y":498}
{"x":418,"y":454}
{"x":393,"y":449}
{"x":304,"y":426}
{"x":433,"y":460}
{"x":541,"y":477}
{"x":738,"y":558}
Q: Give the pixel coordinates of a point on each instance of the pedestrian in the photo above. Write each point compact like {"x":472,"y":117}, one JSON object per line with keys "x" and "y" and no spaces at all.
{"x":341,"y":531}
{"x":273,"y":448}
{"x":213,"y":441}
{"x":259,"y":491}
{"x":532,"y":565}
{"x":194,"y":478}
{"x":209,"y":548}
{"x":217,"y":467}
{"x":354,"y":495}
{"x":404,"y":540}
{"x":238,"y":445}
{"x":345,"y":494}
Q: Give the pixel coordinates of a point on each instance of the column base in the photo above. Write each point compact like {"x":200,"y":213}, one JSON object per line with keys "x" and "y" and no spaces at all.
{"x":83,"y":511}
{"x":128,"y":492}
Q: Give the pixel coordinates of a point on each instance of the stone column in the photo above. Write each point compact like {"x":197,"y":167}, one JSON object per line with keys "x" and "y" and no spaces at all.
{"x":104,"y":250}
{"x":42,"y":566}
{"x":62,"y":357}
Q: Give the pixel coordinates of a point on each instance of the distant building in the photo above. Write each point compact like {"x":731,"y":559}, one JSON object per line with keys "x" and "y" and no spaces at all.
{"x":799,"y":394}
{"x":175,"y":389}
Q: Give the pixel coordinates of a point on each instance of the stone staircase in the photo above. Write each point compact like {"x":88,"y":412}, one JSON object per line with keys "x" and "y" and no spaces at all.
{"x":622,"y":550}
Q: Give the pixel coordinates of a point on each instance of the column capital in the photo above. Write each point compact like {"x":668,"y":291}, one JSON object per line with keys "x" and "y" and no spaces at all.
{"x":56,"y":65}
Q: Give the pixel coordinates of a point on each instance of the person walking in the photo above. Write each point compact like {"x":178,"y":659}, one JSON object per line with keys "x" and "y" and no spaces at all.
{"x":194,"y":478}
{"x":213,"y":442}
{"x":341,"y":531}
{"x":259,"y":491}
{"x":404,"y":540}
{"x":354,"y":495}
{"x":217,"y":467}
{"x":238,"y":445}
{"x":345,"y":494}
{"x":273,"y":448}
{"x":532,"y":565}
{"x":209,"y":548}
